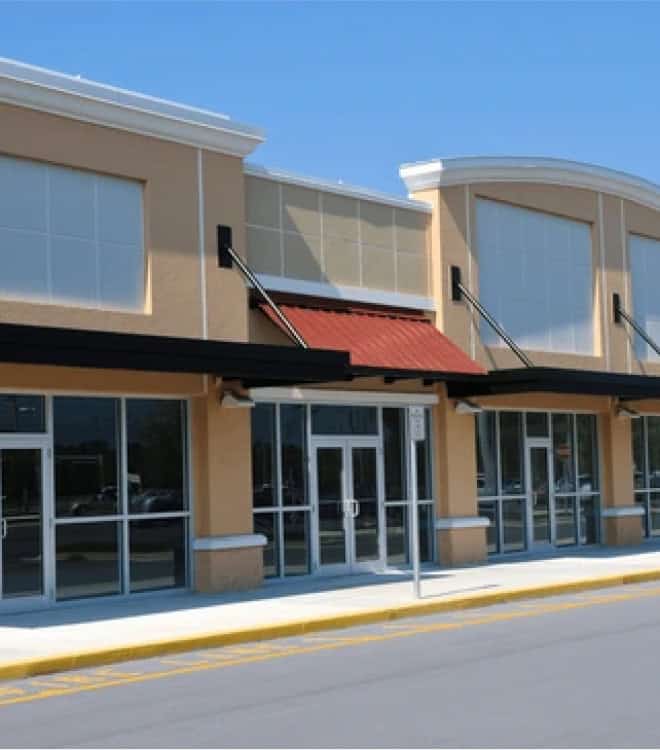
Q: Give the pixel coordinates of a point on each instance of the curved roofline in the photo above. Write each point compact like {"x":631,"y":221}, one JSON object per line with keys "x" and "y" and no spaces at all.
{"x":78,"y":98}
{"x":463,"y":170}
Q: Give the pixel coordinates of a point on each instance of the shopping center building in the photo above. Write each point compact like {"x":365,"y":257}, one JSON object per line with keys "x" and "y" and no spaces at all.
{"x":207,"y":367}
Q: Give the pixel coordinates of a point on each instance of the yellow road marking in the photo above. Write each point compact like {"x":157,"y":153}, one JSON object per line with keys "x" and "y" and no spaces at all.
{"x":201,"y":666}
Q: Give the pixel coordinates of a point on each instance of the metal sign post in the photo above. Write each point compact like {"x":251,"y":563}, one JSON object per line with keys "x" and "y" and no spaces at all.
{"x":416,"y":433}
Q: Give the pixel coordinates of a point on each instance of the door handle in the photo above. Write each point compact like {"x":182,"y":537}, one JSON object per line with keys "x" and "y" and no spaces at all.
{"x":356,"y":508}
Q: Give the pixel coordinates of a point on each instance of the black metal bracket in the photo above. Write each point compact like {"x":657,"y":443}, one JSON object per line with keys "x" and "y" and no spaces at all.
{"x":458,"y":292}
{"x":227,"y":256}
{"x":619,"y":315}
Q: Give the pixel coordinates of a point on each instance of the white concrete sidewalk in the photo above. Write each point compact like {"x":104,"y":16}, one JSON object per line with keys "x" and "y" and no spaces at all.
{"x":92,"y":625}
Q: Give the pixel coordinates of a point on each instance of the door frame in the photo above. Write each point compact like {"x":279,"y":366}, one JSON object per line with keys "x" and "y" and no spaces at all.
{"x":42,"y":443}
{"x":347,"y":443}
{"x":540,"y":442}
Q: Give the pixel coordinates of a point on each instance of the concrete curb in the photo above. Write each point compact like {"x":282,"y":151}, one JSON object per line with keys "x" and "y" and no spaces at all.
{"x":132,"y":652}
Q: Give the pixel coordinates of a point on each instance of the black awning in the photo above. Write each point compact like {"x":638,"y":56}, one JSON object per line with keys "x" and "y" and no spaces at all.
{"x":556,"y":380}
{"x":267,"y":364}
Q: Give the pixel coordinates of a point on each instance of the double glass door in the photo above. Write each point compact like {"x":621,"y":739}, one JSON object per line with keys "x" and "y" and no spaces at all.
{"x":347,"y":500}
{"x":21,"y":522}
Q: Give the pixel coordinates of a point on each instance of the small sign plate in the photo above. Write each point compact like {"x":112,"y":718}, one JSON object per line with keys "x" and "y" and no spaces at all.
{"x":416,"y":423}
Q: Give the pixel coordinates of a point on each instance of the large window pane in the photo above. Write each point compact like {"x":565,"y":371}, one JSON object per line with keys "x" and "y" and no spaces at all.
{"x":654,"y":513}
{"x":589,"y":519}
{"x":22,"y":414}
{"x":565,"y":521}
{"x":86,"y":456}
{"x":397,"y":534}
{"x":426,"y":532}
{"x":394,"y":442}
{"x":344,"y":420}
{"x":537,"y":424}
{"x":513,"y":525}
{"x":486,"y":453}
{"x":296,"y":542}
{"x":639,"y":453}
{"x":87,"y":559}
{"x":511,"y":453}
{"x":157,"y":554}
{"x":424,"y":471}
{"x":294,"y":455}
{"x":653,"y":436}
{"x":264,"y":481}
{"x":156,"y":476}
{"x":587,"y":436}
{"x":266,"y":524}
{"x":563,"y":452}
{"x":641,"y":499}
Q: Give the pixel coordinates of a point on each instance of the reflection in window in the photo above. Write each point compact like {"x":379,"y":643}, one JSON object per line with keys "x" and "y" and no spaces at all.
{"x":394,"y":442}
{"x":266,"y":524}
{"x":154,"y":434}
{"x":639,"y":453}
{"x":263,"y":456}
{"x":486,"y":453}
{"x":157,"y":554}
{"x":22,"y":413}
{"x":563,"y":452}
{"x":424,"y":470}
{"x":511,"y":453}
{"x":86,"y":438}
{"x":87,"y":559}
{"x":296,"y":542}
{"x":294,"y":455}
{"x":588,"y":479}
{"x":344,"y":420}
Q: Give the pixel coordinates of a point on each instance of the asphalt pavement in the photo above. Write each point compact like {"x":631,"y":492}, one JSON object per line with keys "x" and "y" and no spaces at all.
{"x":572,"y":671}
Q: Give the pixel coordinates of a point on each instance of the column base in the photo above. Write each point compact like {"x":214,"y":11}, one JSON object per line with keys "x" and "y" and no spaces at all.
{"x":622,"y":530}
{"x":223,"y":565}
{"x":459,"y":546}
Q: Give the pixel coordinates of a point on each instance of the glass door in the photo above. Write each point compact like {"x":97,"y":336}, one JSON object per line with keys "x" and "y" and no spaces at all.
{"x":540,"y":497}
{"x":21,"y":522}
{"x":348,"y":500}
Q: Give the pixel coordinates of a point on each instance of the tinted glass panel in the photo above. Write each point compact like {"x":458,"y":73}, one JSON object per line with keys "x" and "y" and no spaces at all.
{"x":565,"y":521}
{"x":394,"y":441}
{"x":589,"y":520}
{"x":397,"y":534}
{"x":266,"y":524}
{"x":426,"y":532}
{"x":86,"y":437}
{"x":513,"y":525}
{"x":511,"y":453}
{"x":154,"y":430}
{"x":489,"y":510}
{"x":344,"y":420}
{"x":563,"y":452}
{"x":424,"y":474}
{"x":654,"y":513}
{"x":587,"y":437}
{"x":263,"y":456}
{"x":639,"y":453}
{"x":332,"y":536}
{"x":22,"y":414}
{"x":87,"y":559}
{"x":157,"y":554}
{"x":537,"y":424}
{"x":294,"y":460}
{"x":296,"y":542}
{"x":365,"y":493}
{"x":653,"y":433}
{"x":486,"y":453}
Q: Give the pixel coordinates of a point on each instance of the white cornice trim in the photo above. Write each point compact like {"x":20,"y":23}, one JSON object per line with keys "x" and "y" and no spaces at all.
{"x":462,"y":522}
{"x":235,"y":541}
{"x":622,"y":511}
{"x":350,"y":293}
{"x":68,"y":96}
{"x":474,"y":169}
{"x":339,"y":188}
{"x":362,"y":398}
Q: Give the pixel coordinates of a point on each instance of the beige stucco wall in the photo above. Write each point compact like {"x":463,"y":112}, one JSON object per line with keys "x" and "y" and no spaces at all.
{"x":169,"y":174}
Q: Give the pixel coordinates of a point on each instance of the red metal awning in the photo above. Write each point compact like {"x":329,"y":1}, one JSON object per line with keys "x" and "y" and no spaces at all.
{"x":379,"y":340}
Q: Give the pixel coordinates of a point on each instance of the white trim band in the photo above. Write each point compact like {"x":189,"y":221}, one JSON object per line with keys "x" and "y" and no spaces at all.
{"x":234,"y":541}
{"x":351,"y":293}
{"x":71,"y":96}
{"x":361,"y":398}
{"x":623,"y":511}
{"x":473,"y":169}
{"x":327,"y":186}
{"x":462,"y":522}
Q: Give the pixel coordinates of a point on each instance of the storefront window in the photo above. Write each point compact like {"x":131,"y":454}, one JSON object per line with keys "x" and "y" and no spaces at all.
{"x":587,"y":431}
{"x":511,"y":453}
{"x":22,"y":413}
{"x":563,"y":452}
{"x":116,"y":503}
{"x":486,"y":454}
{"x":394,"y":444}
{"x":344,"y":420}
{"x":294,"y":455}
{"x":646,"y":457}
{"x":263,"y":456}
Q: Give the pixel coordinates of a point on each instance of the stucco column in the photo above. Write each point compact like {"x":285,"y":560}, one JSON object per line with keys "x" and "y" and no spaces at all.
{"x":228,"y":556}
{"x":622,"y":518}
{"x":461,"y":532}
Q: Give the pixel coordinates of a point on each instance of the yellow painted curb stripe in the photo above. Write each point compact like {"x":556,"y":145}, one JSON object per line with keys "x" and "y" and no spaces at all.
{"x":113,"y":655}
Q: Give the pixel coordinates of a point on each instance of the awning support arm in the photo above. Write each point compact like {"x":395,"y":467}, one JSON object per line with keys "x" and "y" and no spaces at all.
{"x":227,"y":255}
{"x":458,"y":292}
{"x":620,"y":314}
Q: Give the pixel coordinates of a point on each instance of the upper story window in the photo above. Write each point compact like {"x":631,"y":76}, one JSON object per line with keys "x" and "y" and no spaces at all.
{"x":645,"y":271}
{"x":535,"y":276}
{"x":70,"y":237}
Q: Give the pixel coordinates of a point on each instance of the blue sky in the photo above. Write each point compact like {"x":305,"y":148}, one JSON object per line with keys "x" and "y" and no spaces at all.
{"x":351,"y":90}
